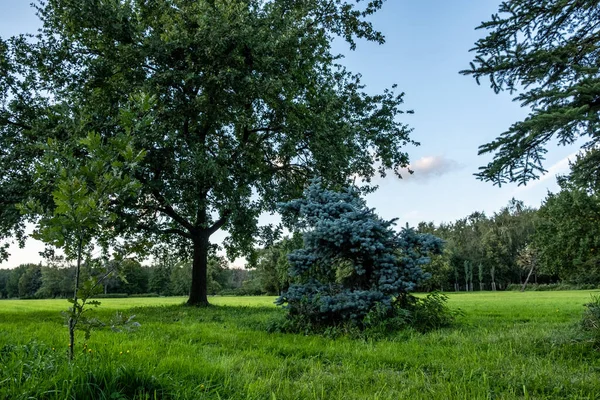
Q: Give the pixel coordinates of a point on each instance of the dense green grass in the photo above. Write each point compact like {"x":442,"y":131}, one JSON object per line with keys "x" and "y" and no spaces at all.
{"x":507,"y":345}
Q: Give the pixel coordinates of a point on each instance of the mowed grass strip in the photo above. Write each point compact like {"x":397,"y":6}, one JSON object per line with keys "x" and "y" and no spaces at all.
{"x":507,"y":345}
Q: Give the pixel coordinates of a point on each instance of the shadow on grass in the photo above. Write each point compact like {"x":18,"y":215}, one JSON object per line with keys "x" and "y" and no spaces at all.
{"x":243,"y":317}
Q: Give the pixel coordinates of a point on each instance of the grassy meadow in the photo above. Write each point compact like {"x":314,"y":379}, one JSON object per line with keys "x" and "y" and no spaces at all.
{"x":506,"y":345}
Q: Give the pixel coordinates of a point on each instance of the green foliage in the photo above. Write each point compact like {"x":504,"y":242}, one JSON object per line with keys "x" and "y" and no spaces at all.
{"x":490,"y":244}
{"x":547,"y":51}
{"x":127,"y":277}
{"x":30,"y":281}
{"x":510,"y":231}
{"x":271,"y":266}
{"x":57,"y":281}
{"x":430,"y":312}
{"x":217,"y":274}
{"x":568,"y":235}
{"x":160,"y":273}
{"x":585,"y":171}
{"x":134,"y":278}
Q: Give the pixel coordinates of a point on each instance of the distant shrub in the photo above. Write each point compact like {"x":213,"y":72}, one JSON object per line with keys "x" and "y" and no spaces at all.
{"x":111,"y":295}
{"x":431,"y":312}
{"x":534,"y":287}
{"x":229,"y":292}
{"x":241,"y":291}
{"x":145,"y":295}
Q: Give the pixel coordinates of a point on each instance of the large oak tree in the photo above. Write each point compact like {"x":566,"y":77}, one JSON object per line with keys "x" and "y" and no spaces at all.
{"x":249,"y":102}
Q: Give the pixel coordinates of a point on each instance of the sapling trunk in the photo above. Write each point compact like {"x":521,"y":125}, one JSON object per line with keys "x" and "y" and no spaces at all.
{"x":72,"y":320}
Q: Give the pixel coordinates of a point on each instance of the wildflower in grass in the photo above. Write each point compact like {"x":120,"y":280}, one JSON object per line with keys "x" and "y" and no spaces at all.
{"x":120,"y":353}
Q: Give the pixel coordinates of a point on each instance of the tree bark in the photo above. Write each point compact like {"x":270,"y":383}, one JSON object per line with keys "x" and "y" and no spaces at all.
{"x":198,"y":291}
{"x":528,"y":276}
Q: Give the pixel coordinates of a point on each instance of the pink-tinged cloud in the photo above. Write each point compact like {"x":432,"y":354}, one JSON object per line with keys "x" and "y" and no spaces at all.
{"x":428,"y":168}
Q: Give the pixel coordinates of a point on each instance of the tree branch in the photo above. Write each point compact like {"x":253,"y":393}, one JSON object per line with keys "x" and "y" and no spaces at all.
{"x":219,"y":223}
{"x":6,"y":120}
{"x":169,"y":231}
{"x":168,"y":210}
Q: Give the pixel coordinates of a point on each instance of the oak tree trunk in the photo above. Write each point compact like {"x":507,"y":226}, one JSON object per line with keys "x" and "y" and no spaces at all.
{"x":198,"y":291}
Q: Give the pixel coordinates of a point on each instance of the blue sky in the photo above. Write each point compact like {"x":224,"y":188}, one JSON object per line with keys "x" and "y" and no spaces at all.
{"x":427,"y":43}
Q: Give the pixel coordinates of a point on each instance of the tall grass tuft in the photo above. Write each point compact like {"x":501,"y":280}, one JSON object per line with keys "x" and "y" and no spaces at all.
{"x":591,"y":318}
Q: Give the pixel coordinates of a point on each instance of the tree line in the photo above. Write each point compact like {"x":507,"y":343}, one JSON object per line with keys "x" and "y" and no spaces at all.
{"x":557,"y":243}
{"x":164,"y":277}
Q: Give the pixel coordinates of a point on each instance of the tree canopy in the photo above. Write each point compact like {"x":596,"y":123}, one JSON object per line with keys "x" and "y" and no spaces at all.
{"x":249,"y":103}
{"x":568,"y":234}
{"x":548,"y":52}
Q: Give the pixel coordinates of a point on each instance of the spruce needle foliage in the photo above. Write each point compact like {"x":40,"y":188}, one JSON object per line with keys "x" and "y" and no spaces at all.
{"x":354,"y":265}
{"x":549,"y":52}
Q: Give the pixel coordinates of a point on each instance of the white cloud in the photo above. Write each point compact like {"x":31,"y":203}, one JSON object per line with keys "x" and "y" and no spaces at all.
{"x":427,"y":168}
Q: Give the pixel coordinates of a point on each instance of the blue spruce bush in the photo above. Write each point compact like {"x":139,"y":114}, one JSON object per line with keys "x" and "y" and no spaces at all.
{"x":354,"y":264}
